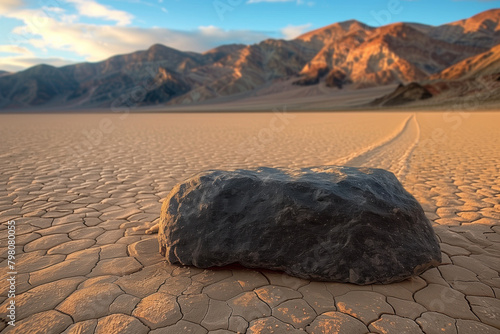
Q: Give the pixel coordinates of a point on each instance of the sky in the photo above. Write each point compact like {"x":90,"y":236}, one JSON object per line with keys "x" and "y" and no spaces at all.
{"x":61,"y":32}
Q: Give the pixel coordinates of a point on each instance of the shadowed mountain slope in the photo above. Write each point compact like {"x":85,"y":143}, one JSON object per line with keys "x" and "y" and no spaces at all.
{"x":339,"y":55}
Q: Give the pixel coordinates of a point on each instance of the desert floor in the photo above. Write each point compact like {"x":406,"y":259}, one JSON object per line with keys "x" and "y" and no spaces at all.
{"x":83,"y":189}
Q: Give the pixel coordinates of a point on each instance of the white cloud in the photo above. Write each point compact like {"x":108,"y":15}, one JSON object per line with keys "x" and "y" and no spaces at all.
{"x":7,"y":6}
{"x":212,"y":36}
{"x":53,"y":31}
{"x":98,"y":42}
{"x":291,"y":31}
{"x":15,"y":64}
{"x":90,"y":8}
{"x":16,"y":49}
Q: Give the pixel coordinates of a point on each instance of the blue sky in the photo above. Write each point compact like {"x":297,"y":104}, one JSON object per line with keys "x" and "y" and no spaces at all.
{"x":59,"y":32}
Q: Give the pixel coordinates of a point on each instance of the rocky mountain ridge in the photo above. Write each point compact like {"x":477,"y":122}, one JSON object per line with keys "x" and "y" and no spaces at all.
{"x":343,"y":54}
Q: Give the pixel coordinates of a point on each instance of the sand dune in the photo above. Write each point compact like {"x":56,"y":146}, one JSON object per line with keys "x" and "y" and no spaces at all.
{"x":84,"y":188}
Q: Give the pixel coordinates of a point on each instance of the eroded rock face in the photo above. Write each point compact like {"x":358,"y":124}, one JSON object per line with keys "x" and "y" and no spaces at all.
{"x":329,"y":223}
{"x":403,"y":94}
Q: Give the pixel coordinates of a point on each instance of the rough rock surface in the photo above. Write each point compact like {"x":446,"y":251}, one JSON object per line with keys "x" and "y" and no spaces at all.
{"x":403,"y":94}
{"x":344,"y":224}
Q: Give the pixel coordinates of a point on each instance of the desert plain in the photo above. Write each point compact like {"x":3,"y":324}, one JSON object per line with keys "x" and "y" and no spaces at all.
{"x":83,"y":189}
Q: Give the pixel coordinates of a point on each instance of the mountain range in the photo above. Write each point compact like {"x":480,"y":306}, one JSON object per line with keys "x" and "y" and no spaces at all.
{"x":346,"y":54}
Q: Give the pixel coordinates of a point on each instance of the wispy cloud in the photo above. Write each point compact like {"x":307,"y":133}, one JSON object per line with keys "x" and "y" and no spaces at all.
{"x":7,"y":6}
{"x":52,"y":30}
{"x":15,"y":49}
{"x":291,"y":31}
{"x":15,"y":64}
{"x":90,"y":8}
{"x":97,"y":42}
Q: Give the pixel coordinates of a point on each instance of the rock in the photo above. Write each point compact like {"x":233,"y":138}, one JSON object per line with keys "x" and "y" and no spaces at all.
{"x":343,"y":224}
{"x":307,"y":81}
{"x":336,"y":78}
{"x":403,"y":94}
{"x":312,"y":78}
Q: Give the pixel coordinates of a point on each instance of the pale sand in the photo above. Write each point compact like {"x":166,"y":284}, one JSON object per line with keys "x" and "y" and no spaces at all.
{"x":84,"y":261}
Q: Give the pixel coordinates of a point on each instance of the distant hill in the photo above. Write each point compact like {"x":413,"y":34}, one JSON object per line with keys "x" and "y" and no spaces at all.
{"x":344,"y":54}
{"x":402,"y":95}
{"x":485,"y":63}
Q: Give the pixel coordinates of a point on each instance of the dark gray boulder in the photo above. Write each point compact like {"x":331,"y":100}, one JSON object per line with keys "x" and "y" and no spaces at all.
{"x":329,"y":223}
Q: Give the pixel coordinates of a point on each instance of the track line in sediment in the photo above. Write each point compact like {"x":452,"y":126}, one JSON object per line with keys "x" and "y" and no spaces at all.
{"x":366,"y":150}
{"x":404,"y":163}
{"x":391,"y":153}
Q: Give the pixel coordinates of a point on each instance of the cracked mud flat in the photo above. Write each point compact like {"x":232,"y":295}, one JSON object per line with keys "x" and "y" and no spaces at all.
{"x":85,"y":264}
